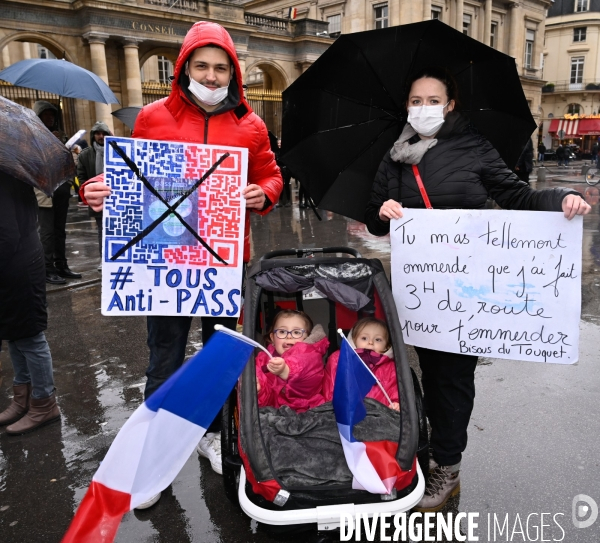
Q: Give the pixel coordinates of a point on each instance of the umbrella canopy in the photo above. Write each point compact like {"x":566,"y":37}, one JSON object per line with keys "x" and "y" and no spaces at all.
{"x":59,"y":77}
{"x":30,"y":152}
{"x":345,"y":112}
{"x":127,"y":115}
{"x":273,"y":142}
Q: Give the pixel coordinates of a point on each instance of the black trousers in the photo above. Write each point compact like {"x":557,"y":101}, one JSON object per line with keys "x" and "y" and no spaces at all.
{"x":167,"y":339}
{"x":286,"y":193}
{"x":449,"y":393}
{"x":53,"y":221}
{"x":98,"y":220}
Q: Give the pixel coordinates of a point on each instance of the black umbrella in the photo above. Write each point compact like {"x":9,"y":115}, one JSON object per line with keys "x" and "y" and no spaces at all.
{"x":344,"y":113}
{"x":127,"y":115}
{"x":274,"y":144}
{"x":30,"y":152}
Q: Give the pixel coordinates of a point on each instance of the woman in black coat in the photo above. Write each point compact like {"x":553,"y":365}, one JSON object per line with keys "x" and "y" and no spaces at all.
{"x":459,"y":169}
{"x":23,"y":316}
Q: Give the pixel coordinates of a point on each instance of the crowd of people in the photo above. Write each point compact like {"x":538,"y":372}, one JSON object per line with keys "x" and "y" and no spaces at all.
{"x":459,"y":169}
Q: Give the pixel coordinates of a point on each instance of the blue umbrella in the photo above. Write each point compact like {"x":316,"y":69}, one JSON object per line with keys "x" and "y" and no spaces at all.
{"x":59,"y":77}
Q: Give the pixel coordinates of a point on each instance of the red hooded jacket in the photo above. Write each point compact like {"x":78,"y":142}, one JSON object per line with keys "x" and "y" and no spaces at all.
{"x":384,"y":369}
{"x":178,"y":118}
{"x":302,"y":390}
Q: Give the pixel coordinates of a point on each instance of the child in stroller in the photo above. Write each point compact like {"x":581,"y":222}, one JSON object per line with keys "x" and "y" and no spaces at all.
{"x":287,"y":468}
{"x":294,"y":375}
{"x":371,"y":338}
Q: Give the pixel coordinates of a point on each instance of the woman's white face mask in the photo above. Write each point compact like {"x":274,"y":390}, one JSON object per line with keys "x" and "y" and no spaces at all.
{"x":426,"y":120}
{"x":206,"y":95}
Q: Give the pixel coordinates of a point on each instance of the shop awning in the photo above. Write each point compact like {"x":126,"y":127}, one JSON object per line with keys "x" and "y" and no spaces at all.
{"x":575,"y":127}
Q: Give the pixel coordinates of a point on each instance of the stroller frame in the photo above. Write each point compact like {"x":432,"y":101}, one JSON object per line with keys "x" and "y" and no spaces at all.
{"x":241,"y":413}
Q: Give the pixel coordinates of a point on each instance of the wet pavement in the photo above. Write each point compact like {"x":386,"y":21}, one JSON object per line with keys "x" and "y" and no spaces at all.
{"x":533,"y":440}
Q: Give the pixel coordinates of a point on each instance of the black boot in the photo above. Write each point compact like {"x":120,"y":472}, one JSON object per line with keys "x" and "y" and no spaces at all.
{"x":54,"y":279}
{"x":64,"y":271}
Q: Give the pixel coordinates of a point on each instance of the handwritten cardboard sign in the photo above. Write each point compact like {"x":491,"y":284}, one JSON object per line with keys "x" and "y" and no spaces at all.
{"x":188,"y":258}
{"x":503,"y":284}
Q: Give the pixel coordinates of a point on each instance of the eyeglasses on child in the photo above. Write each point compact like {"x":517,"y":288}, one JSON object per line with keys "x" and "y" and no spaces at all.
{"x":296,"y":333}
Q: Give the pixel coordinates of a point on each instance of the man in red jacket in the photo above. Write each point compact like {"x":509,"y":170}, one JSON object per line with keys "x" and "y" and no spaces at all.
{"x":206,"y":105}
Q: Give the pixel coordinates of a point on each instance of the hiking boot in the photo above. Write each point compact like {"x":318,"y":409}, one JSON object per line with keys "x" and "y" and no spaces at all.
{"x":40,"y":412}
{"x":443,"y":483}
{"x":18,"y":406}
{"x":210,"y":447}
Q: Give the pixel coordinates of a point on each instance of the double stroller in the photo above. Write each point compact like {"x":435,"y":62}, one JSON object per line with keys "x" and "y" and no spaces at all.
{"x":275,"y":467}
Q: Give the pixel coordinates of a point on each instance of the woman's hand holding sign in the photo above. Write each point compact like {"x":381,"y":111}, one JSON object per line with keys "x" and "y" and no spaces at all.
{"x":390,"y":210}
{"x":573,"y":204}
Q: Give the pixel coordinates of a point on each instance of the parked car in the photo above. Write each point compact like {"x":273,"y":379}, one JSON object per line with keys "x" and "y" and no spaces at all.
{"x":550,"y":154}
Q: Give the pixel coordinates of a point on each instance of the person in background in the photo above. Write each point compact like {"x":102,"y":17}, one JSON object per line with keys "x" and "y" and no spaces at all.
{"x":560,"y":155}
{"x":23,"y":315}
{"x":541,"y":152}
{"x":524,"y":165}
{"x":595,"y":154}
{"x":286,"y":195}
{"x":303,"y":197}
{"x":90,"y":164}
{"x":53,"y":211}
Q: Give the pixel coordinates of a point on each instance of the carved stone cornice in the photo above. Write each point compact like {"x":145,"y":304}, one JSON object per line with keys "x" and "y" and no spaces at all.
{"x":96,"y":37}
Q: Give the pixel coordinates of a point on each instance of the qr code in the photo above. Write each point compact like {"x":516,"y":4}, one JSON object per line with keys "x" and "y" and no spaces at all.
{"x":213,"y":210}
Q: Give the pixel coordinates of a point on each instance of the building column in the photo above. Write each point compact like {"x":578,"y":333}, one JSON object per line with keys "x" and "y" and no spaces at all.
{"x":516,"y":28}
{"x":242,"y":55}
{"x":459,"y":15}
{"x":26,"y":50}
{"x":426,"y":10}
{"x":5,"y":56}
{"x":133,"y":73}
{"x":487,"y":22}
{"x":98,"y":54}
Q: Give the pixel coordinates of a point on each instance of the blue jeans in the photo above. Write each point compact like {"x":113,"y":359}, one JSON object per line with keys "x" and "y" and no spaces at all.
{"x":32,"y":363}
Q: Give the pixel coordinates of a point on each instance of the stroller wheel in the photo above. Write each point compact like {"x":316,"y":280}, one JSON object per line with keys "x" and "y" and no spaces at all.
{"x":423,"y":447}
{"x":321,"y":538}
{"x":231,"y":461}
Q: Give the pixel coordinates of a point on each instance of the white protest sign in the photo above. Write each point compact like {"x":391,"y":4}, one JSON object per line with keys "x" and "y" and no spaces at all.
{"x":182,"y":261}
{"x":503,"y":284}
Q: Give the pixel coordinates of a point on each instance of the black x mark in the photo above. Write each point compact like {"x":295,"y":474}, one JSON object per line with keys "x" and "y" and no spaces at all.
{"x":170,"y":209}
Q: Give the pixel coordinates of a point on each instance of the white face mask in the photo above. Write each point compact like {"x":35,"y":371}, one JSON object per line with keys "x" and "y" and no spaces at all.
{"x":206,"y":95}
{"x":426,"y":120}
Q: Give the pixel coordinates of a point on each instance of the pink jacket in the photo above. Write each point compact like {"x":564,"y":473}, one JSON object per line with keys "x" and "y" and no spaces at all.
{"x":302,"y":390}
{"x":384,"y":369}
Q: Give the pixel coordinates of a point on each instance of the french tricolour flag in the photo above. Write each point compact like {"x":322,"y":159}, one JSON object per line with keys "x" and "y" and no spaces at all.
{"x":373,"y":464}
{"x":157,"y":440}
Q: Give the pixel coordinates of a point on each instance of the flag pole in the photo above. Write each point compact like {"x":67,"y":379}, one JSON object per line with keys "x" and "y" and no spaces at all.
{"x":242,"y":337}
{"x":341,"y":333}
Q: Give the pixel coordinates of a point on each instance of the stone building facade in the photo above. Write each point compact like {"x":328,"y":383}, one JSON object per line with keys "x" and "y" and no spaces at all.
{"x":571,"y":97}
{"x":121,"y":41}
{"x":132,"y":44}
{"x":513,"y":27}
